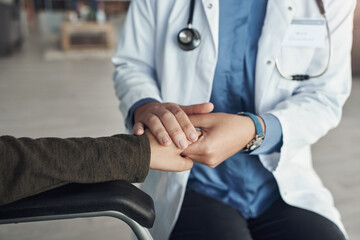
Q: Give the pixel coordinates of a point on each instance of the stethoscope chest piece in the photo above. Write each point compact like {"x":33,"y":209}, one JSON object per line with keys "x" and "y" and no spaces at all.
{"x":188,"y":39}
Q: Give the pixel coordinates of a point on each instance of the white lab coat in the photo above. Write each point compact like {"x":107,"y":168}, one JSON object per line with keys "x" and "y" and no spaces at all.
{"x":149,"y":63}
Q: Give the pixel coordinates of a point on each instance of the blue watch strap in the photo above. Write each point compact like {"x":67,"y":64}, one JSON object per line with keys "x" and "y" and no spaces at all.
{"x":258,"y":127}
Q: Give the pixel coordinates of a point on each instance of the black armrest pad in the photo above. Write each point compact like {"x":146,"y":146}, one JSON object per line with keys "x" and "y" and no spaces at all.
{"x":117,"y":196}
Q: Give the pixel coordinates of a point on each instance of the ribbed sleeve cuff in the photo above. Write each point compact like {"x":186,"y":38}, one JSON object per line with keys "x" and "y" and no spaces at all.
{"x":144,"y":158}
{"x":133,"y":161}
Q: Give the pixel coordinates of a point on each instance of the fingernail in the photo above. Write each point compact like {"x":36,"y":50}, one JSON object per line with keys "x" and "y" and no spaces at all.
{"x":183,"y":143}
{"x":165,"y":139}
{"x":138,"y":131}
{"x":192,"y":136}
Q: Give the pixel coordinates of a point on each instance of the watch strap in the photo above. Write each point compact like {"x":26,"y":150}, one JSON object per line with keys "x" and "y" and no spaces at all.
{"x":256,"y":142}
{"x":258,"y":127}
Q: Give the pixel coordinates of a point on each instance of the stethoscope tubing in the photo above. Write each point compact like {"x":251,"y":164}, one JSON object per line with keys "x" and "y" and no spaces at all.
{"x":191,"y":13}
{"x":303,"y":77}
{"x":189,"y":39}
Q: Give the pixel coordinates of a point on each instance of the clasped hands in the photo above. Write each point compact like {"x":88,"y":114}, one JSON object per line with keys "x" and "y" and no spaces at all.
{"x":175,"y":143}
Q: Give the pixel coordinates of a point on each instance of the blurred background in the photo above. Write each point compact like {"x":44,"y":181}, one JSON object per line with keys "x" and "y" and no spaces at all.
{"x":56,"y":80}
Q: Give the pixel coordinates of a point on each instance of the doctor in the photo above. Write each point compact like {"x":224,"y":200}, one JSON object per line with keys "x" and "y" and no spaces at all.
{"x":254,"y":178}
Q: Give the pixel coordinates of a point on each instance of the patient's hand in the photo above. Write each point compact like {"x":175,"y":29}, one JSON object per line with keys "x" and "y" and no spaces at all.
{"x":167,"y":158}
{"x":223,"y":136}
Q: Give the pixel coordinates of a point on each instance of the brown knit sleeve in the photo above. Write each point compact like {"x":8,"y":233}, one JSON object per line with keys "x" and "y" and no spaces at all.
{"x":30,"y":166}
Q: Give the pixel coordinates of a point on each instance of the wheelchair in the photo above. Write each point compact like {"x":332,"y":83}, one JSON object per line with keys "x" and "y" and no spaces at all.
{"x":118,"y":199}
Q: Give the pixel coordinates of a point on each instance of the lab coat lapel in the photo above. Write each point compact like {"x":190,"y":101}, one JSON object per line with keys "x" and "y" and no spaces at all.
{"x":277,"y":20}
{"x":211,"y":9}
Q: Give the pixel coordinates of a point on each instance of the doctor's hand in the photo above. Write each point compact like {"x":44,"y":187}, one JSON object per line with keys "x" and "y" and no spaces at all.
{"x":223,"y":135}
{"x":167,"y":158}
{"x":169,"y":122}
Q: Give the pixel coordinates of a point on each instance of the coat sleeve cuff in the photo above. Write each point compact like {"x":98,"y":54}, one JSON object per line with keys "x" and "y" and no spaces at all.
{"x":129,"y":122}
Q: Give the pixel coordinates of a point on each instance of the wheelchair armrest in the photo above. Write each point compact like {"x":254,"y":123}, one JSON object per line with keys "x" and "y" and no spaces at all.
{"x":118,"y":196}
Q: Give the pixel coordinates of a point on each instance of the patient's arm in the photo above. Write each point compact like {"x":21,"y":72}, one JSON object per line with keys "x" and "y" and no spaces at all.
{"x":30,"y":166}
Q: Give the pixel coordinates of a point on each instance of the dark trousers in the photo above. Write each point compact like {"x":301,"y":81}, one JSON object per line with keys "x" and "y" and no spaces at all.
{"x":202,"y":217}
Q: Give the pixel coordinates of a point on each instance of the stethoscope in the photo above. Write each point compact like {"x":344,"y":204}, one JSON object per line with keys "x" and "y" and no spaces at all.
{"x":189,"y":39}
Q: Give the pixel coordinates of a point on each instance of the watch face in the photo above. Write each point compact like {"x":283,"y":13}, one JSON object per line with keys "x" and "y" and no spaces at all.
{"x":253,"y":147}
{"x":256,"y":142}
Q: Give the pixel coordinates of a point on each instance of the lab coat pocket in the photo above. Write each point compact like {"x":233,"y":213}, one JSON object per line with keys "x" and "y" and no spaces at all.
{"x":294,"y":61}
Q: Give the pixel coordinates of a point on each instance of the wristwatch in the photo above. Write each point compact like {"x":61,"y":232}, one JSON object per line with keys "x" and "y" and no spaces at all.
{"x":256,"y":142}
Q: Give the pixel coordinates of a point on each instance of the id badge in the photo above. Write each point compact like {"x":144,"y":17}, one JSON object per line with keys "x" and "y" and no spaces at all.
{"x":306,"y":32}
